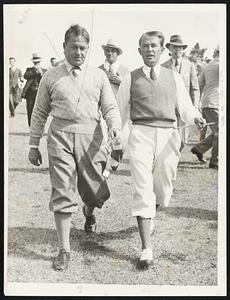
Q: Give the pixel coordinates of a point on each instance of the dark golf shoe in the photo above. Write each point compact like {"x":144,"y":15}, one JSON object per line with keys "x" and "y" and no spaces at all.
{"x":199,"y":155}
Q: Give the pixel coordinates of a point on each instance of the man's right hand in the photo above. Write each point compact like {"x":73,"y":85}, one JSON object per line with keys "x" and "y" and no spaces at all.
{"x":35,"y":156}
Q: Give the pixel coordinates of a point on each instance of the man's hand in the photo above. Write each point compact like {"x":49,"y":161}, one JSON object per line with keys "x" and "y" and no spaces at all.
{"x":116,"y":79}
{"x":200,"y":122}
{"x":117,"y":151}
{"x":35,"y":156}
{"x":115,"y":135}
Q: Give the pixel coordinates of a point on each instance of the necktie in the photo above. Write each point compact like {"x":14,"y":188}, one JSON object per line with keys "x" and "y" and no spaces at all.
{"x":75,"y":71}
{"x":111,"y":69}
{"x":177,"y":65}
{"x":153,"y":75}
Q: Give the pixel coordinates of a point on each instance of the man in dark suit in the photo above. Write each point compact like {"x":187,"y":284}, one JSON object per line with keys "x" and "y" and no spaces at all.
{"x":33,"y":76}
{"x":187,"y":71}
{"x":15,"y":78}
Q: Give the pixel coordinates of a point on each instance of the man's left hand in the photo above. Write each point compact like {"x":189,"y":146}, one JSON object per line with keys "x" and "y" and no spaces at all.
{"x":200,"y":122}
{"x":116,"y":79}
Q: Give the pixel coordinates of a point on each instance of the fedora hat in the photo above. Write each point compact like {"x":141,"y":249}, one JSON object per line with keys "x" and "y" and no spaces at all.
{"x":177,"y":41}
{"x":36,"y":57}
{"x":112,"y":44}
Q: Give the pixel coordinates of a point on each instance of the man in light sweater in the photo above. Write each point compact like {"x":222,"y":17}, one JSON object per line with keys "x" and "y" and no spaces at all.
{"x":150,"y":95}
{"x":209,"y":88}
{"x":74,"y":94}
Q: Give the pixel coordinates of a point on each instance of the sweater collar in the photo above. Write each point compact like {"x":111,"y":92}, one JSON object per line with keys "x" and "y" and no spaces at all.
{"x":70,"y":67}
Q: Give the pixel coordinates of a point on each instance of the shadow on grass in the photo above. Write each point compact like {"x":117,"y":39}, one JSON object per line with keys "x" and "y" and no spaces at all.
{"x":121,"y":173}
{"x":189,"y":212}
{"x":19,"y":133}
{"x":20,"y":239}
{"x":191,"y":166}
{"x":184,"y":162}
{"x":29,"y":170}
{"x":22,"y":133}
{"x":94,"y":243}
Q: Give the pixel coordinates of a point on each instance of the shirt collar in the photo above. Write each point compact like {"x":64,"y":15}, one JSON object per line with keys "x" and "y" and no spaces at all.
{"x":174,"y":61}
{"x":115,"y":65}
{"x":70,"y":67}
{"x":146,"y":69}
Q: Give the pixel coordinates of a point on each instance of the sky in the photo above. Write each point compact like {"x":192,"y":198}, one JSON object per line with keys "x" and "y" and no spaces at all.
{"x":40,"y":28}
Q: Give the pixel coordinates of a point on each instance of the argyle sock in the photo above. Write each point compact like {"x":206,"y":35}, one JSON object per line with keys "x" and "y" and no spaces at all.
{"x":144,"y":230}
{"x":63,"y":221}
{"x":89,"y":210}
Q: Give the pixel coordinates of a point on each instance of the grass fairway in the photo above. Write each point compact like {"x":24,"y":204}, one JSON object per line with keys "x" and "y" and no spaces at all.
{"x":184,"y":242}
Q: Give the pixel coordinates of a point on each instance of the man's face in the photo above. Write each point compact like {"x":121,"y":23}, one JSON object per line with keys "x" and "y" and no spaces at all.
{"x":150,"y":50}
{"x":36,"y":64}
{"x":176,"y":51}
{"x":53,"y":62}
{"x":111,"y":54}
{"x":12,"y":63}
{"x":75,"y":50}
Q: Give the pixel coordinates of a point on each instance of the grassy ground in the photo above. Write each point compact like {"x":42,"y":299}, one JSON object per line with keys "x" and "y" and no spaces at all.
{"x":184,"y":242}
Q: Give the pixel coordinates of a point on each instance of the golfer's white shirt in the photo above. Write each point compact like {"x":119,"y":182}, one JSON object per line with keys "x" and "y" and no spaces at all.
{"x":184,"y":104}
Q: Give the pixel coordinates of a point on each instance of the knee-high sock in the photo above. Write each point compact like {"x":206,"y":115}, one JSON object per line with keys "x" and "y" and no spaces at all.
{"x":144,"y":230}
{"x":63,"y":223}
{"x":89,"y":210}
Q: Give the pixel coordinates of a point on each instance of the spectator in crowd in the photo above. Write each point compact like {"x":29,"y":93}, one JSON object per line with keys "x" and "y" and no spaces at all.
{"x":199,"y":68}
{"x":188,"y":73}
{"x":33,"y":76}
{"x":75,"y":95}
{"x":53,"y":62}
{"x":209,"y":87}
{"x":15,"y":81}
{"x":113,"y":69}
{"x":115,"y":72}
{"x":150,"y":95}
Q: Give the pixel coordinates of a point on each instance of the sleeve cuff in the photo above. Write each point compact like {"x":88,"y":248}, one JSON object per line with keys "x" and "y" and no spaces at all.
{"x":34,"y":141}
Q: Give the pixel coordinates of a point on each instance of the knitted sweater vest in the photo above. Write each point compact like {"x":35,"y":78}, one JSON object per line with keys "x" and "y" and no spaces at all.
{"x":153,"y":103}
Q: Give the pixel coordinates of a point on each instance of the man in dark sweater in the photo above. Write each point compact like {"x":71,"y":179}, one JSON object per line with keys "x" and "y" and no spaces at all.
{"x":150,"y":95}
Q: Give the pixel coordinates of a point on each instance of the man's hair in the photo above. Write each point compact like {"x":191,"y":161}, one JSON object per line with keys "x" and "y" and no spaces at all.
{"x":52,"y":58}
{"x":12,"y":58}
{"x":153,"y":33}
{"x":77,"y":30}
